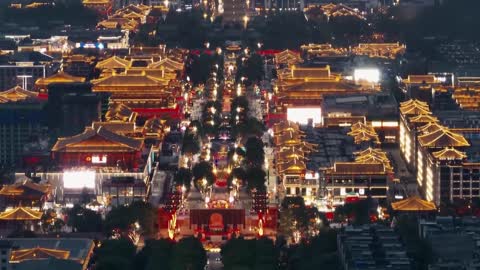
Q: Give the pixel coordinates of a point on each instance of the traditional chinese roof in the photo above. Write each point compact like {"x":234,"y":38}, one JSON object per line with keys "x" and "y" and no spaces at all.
{"x":21,"y":213}
{"x":120,"y":112}
{"x":60,"y":77}
{"x":430,"y":127}
{"x":113,"y":62}
{"x":413,"y":204}
{"x":96,"y":2}
{"x":423,"y":118}
{"x":285,"y":126}
{"x":380,"y":50}
{"x":287,"y":57}
{"x":358,"y":168}
{"x":291,"y":153}
{"x":17,"y":94}
{"x":169,"y":65}
{"x":365,"y":136}
{"x":37,"y":253}
{"x":421,"y":79}
{"x":413,"y":101}
{"x":26,"y":187}
{"x":442,"y":138}
{"x":311,"y":72}
{"x":363,"y":133}
{"x":129,"y":83}
{"x":292,"y":166}
{"x":288,"y":139}
{"x":467,"y":98}
{"x":371,"y":151}
{"x":324,"y":50}
{"x":154,"y":126}
{"x":97,"y":140}
{"x":449,"y":153}
{"x":414,"y":108}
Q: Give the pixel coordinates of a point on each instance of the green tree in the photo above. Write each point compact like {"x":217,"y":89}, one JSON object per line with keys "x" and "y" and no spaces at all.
{"x":255,"y":155}
{"x":115,"y":254}
{"x":183,"y":177}
{"x":155,"y":255}
{"x":189,"y":254}
{"x":256,"y":178}
{"x":84,"y":220}
{"x":253,"y":69}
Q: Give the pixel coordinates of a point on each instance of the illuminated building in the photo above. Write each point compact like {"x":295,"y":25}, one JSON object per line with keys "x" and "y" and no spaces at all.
{"x":290,"y":156}
{"x":97,"y":147}
{"x":146,"y":86}
{"x":25,"y":193}
{"x":370,"y":174}
{"x":421,"y":87}
{"x":379,"y":50}
{"x":102,"y":6}
{"x":79,"y":65}
{"x":444,"y":170}
{"x":378,"y":109}
{"x":61,"y":77}
{"x":314,"y":51}
{"x":22,"y":117}
{"x":286,"y":58}
{"x":299,"y":91}
{"x":359,"y":178}
{"x":413,"y":204}
{"x":50,"y":253}
{"x":340,"y":10}
{"x":467,"y":98}
{"x":364,"y":133}
{"x":99,"y":158}
{"x":128,"y":18}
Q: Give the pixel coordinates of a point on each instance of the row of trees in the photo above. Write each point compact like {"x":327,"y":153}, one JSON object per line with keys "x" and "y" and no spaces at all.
{"x":120,"y":219}
{"x":186,"y":254}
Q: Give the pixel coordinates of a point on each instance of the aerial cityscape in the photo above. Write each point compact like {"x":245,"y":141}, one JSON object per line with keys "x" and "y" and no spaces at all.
{"x":239,"y":134}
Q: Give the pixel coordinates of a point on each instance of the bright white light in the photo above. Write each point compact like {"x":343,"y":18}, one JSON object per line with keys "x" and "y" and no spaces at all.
{"x":371,"y":75}
{"x":302,"y":115}
{"x":96,"y":159}
{"x":79,"y":179}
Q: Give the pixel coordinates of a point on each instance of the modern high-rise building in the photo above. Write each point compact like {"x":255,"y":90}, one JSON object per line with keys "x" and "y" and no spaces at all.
{"x":22,"y":118}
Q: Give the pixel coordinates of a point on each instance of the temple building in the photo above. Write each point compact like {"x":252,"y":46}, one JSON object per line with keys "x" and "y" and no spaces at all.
{"x":79,"y":65}
{"x":290,"y":158}
{"x":379,"y":50}
{"x":315,"y":51}
{"x":332,"y":10}
{"x":50,"y":253}
{"x":467,"y":98}
{"x":299,"y":92}
{"x":439,"y":155}
{"x":42,"y":84}
{"x":103,"y":162}
{"x":421,"y":87}
{"x":146,"y":86}
{"x":286,"y":58}
{"x":363,"y":177}
{"x":102,"y":6}
{"x":128,"y":18}
{"x":22,"y":117}
{"x":25,"y":193}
